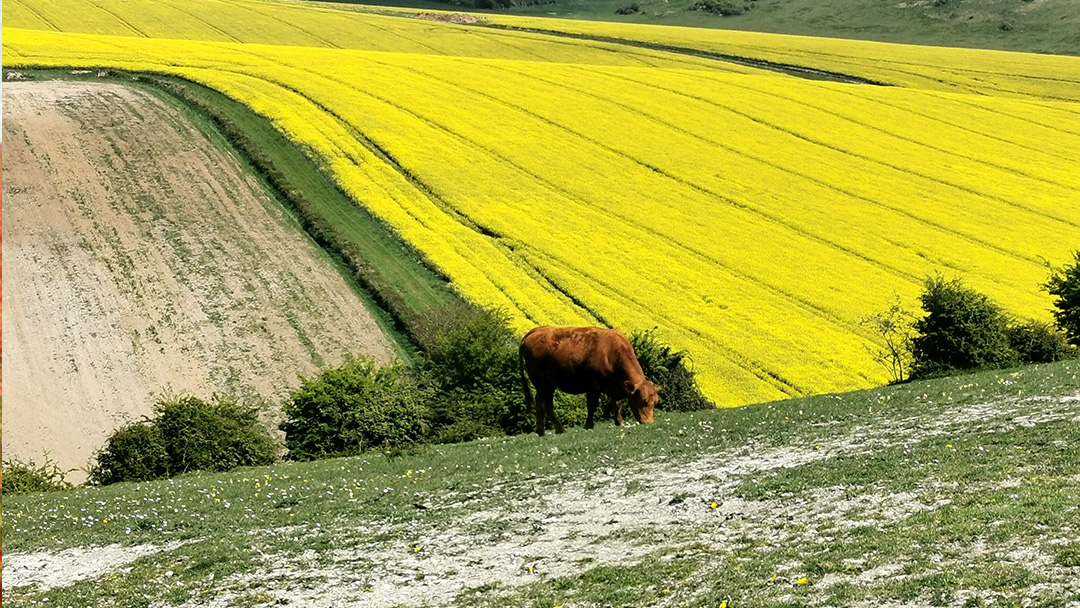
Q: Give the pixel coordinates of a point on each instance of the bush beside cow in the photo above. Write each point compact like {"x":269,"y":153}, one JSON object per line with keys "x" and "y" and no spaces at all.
{"x":589,"y":360}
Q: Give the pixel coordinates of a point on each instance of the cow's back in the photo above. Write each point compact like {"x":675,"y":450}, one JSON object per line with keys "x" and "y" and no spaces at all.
{"x":579,"y":359}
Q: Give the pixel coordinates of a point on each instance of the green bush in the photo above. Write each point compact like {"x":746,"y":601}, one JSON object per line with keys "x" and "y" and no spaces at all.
{"x":25,"y":477}
{"x":462,"y":429}
{"x":1064,"y":285}
{"x":186,"y":434}
{"x":1039,"y":342}
{"x":471,"y":356}
{"x":962,"y":330}
{"x":720,"y":7}
{"x":571,"y":410}
{"x":355,"y":407}
{"x":668,"y":369}
{"x":133,"y":452}
{"x":215,"y":435}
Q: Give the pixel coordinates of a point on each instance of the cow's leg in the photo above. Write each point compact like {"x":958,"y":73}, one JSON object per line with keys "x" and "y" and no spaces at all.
{"x":540,"y":411}
{"x":618,"y":412}
{"x":550,"y":402}
{"x":593,"y":400}
{"x":543,"y":397}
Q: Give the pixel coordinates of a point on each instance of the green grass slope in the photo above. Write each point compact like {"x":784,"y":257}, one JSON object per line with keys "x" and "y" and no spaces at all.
{"x":390,"y":276}
{"x":397,"y":270}
{"x":955,"y":492}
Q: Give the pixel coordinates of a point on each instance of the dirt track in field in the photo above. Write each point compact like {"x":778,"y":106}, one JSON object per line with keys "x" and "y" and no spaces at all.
{"x":140,"y":257}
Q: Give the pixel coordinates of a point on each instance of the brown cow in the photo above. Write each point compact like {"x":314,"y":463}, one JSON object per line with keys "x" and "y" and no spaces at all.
{"x":588,"y":360}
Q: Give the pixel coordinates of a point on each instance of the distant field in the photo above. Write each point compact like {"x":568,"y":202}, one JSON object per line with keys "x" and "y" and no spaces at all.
{"x":1039,"y":26}
{"x":957,"y":70}
{"x":753,"y":217}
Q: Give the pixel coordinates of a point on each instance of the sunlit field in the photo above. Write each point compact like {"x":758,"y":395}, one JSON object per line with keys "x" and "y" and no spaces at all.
{"x":754,"y":218}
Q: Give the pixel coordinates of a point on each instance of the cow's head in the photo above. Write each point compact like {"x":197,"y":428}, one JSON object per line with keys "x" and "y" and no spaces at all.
{"x":642,"y":400}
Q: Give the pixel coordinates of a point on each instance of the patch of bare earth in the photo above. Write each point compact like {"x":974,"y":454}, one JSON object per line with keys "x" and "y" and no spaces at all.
{"x":622,"y":517}
{"x":47,"y":570}
{"x":140,"y":257}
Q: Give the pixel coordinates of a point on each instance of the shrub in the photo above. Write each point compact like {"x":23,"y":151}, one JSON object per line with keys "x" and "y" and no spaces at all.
{"x":1039,"y":342}
{"x":25,"y":477}
{"x":571,"y":410}
{"x":462,"y":429}
{"x":186,"y":434}
{"x":215,"y":435}
{"x":668,"y":369}
{"x":962,"y":330}
{"x":719,"y":7}
{"x":629,"y":9}
{"x":133,"y":452}
{"x":470,"y":347}
{"x":1064,"y":285}
{"x":471,"y":356}
{"x":352,"y":408}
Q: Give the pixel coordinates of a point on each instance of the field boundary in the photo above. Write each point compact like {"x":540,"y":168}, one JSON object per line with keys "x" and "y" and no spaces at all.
{"x":762,"y":64}
{"x":362,"y":261}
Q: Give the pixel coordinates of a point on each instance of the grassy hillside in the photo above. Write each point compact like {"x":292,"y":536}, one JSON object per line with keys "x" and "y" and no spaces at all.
{"x":954,"y":492}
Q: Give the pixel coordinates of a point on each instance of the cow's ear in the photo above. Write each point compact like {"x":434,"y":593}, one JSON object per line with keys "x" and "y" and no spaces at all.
{"x":630,"y":388}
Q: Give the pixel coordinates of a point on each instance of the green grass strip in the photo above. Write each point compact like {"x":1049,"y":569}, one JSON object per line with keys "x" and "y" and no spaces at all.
{"x":390,"y":276}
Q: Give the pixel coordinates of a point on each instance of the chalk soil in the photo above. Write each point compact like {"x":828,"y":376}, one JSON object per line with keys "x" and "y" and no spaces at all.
{"x":139,"y":257}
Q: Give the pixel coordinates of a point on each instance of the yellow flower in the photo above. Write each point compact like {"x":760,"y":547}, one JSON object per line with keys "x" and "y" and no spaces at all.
{"x":737,"y":231}
{"x":801,"y":581}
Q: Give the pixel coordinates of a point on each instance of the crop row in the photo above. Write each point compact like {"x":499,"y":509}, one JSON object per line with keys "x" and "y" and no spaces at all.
{"x":303,"y":24}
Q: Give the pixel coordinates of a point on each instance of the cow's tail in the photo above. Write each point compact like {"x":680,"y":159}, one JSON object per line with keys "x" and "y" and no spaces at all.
{"x":529,"y":403}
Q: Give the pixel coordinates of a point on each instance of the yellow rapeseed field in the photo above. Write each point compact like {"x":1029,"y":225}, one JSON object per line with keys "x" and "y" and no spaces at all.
{"x":754,"y":218}
{"x":936,"y":68}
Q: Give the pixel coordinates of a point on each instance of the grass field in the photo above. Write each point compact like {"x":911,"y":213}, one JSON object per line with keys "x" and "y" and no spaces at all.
{"x":953,"y":492}
{"x":754,"y":217}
